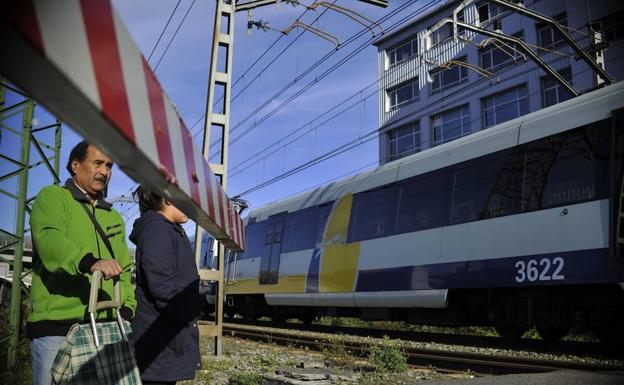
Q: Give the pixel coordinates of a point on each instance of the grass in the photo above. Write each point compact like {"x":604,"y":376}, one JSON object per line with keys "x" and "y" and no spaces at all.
{"x":388,"y":356}
{"x":573,"y":335}
{"x":337,"y":353}
{"x":248,"y":378}
{"x":399,"y":325}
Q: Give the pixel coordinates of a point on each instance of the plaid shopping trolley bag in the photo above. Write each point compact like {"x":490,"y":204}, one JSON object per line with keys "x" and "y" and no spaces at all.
{"x":97,"y":353}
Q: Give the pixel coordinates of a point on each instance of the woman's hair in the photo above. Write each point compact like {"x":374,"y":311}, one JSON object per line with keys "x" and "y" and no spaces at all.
{"x":148,"y":199}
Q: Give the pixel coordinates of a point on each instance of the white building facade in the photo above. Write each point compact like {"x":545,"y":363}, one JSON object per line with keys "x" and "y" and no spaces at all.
{"x":435,"y":88}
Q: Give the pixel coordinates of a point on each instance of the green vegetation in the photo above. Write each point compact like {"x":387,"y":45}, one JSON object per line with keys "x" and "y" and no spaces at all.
{"x":388,"y":356}
{"x":337,"y":353}
{"x":399,"y":325}
{"x":214,"y":365}
{"x":248,"y":378}
{"x":21,"y":374}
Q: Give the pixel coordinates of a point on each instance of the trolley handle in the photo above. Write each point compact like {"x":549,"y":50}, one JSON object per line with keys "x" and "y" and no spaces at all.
{"x":95,"y":306}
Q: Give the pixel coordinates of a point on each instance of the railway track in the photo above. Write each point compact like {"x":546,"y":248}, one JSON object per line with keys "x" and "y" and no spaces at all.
{"x":441,"y":359}
{"x":607,"y":350}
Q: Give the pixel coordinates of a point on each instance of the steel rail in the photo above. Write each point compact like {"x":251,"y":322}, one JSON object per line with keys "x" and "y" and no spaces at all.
{"x":445,"y":360}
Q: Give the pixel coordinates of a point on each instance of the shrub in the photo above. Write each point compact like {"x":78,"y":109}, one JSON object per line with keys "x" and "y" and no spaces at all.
{"x":388,"y":356}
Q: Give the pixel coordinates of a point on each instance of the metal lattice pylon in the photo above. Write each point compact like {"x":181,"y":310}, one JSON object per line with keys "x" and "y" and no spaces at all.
{"x":17,"y":113}
{"x":223,"y":37}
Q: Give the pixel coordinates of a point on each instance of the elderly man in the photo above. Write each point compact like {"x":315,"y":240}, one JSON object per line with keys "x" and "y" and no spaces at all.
{"x":69,"y":247}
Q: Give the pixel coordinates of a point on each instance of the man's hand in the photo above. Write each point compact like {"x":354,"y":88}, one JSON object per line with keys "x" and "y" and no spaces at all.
{"x":109,"y":267}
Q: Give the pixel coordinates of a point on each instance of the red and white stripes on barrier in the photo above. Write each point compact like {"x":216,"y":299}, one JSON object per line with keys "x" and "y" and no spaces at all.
{"x":77,"y":58}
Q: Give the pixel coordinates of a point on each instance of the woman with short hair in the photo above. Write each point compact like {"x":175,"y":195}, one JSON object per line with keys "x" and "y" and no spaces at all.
{"x":167,"y":290}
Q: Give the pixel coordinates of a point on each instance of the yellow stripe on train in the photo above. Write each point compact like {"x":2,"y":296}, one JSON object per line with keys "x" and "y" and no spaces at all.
{"x":339,"y":259}
{"x":287,"y":284}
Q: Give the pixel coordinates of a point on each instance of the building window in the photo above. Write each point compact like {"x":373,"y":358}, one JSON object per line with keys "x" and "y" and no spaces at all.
{"x":441,"y":34}
{"x":488,"y":11}
{"x":448,"y":77}
{"x":550,"y":37}
{"x":403,"y":94}
{"x":505,"y":106}
{"x":451,"y":125}
{"x":404,"y":141}
{"x":496,"y":56}
{"x":552,"y":91}
{"x":612,"y":26}
{"x":402,"y":52}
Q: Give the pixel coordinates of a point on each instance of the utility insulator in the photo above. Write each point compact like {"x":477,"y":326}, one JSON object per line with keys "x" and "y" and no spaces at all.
{"x":263,"y":25}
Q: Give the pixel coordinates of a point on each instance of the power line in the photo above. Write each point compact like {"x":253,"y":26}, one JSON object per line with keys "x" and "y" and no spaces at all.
{"x":174,"y":35}
{"x":166,"y":48}
{"x":280,"y":54}
{"x":275,"y":143}
{"x":163,"y":31}
{"x":327,"y":72}
{"x":372,"y":134}
{"x":339,"y":64}
{"x":241,"y":77}
{"x":318,"y":117}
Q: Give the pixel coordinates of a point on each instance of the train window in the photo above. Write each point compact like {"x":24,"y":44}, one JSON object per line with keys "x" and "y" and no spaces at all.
{"x":374,"y":213}
{"x":577,"y":167}
{"x":254,"y":240}
{"x":323,"y":215}
{"x":301,"y":230}
{"x":473,"y":183}
{"x":424,"y":202}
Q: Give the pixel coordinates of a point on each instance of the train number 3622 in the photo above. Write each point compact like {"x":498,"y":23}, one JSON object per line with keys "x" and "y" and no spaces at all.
{"x":543,"y":270}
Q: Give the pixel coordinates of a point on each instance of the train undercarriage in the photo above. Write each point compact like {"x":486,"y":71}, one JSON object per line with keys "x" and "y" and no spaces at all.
{"x":552,"y":310}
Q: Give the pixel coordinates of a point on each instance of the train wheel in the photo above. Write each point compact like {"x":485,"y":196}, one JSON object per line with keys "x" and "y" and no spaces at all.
{"x":513,"y":331}
{"x":229,"y":312}
{"x":249,"y":314}
{"x":279,"y":316}
{"x":552,"y":332}
{"x":307,"y":318}
{"x":609,"y":335}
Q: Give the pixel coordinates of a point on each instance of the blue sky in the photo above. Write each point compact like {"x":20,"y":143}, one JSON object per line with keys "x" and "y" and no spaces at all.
{"x":183,"y":72}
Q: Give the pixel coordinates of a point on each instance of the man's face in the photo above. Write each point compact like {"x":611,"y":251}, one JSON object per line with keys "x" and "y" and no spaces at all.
{"x":94,"y":172}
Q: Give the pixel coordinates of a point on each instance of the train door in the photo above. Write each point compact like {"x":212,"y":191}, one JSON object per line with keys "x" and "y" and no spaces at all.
{"x":231,"y":267}
{"x":269,"y":266}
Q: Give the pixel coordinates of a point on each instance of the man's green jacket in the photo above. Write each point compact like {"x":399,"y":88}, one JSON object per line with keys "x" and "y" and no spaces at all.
{"x":66,"y":245}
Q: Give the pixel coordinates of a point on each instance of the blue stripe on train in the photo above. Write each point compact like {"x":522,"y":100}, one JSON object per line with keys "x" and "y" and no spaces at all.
{"x":312,"y":281}
{"x":585,"y":266}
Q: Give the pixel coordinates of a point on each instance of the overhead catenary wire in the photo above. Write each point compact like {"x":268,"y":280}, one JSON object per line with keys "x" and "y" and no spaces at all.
{"x":354,"y":37}
{"x":163,"y":30}
{"x":323,"y":114}
{"x":264,"y":53}
{"x":261,"y":120}
{"x":327,"y":72}
{"x":174,"y":35}
{"x":320,"y":61}
{"x":372,"y":134}
{"x":255,"y":156}
{"x":246,"y":71}
{"x":200,"y":119}
{"x":309,"y":85}
{"x":313,"y":120}
{"x":166,"y":49}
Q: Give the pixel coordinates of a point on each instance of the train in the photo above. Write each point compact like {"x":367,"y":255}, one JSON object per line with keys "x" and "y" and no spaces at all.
{"x":516,"y":226}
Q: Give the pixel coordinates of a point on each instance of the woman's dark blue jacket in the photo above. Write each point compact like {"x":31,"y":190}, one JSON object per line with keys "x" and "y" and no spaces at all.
{"x":165,"y":333}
